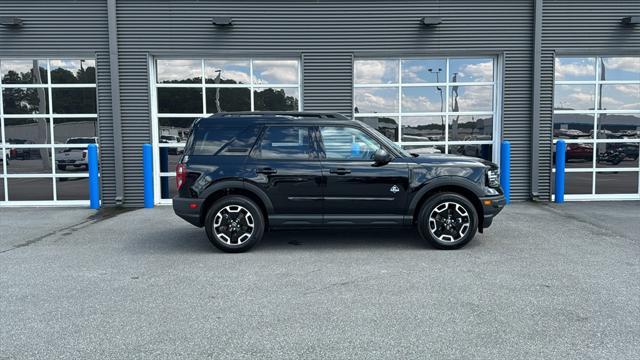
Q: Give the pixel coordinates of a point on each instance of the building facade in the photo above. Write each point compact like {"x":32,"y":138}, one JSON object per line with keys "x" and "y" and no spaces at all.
{"x":443,"y":76}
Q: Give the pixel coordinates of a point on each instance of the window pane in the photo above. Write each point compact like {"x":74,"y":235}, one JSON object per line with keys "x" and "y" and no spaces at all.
{"x":209,"y":140}
{"x":73,"y":71}
{"x":423,"y":99}
{"x":72,"y":188}
{"x":168,"y":187}
{"x":573,"y":126}
{"x":423,"y":128}
{"x":174,"y":129}
{"x":275,"y":72}
{"x":280,"y":142}
{"x":276,"y":99}
{"x":574,"y":97}
{"x":577,"y":155}
{"x":616,"y":126}
{"x":575,"y":183}
{"x":620,"y":97}
{"x":575,"y":69}
{"x":25,"y":101}
{"x":1,"y":184}
{"x":180,"y":100}
{"x":424,"y":71}
{"x":475,"y":150}
{"x":345,"y":143}
{"x":72,"y":160}
{"x":617,"y":155}
{"x":27,"y":131}
{"x":228,"y":99}
{"x":471,"y":98}
{"x":470,"y":70}
{"x":375,"y":71}
{"x":620,"y":68}
{"x":387,"y":126}
{"x":22,"y":71}
{"x":470,"y":127}
{"x":622,"y":182}
{"x":227,"y":72}
{"x":376,"y":100}
{"x":30,"y":189}
{"x":29,"y":161}
{"x":169,"y":157}
{"x":424,"y":149}
{"x":74,"y":101}
{"x":64,"y":130}
{"x":179,"y":71}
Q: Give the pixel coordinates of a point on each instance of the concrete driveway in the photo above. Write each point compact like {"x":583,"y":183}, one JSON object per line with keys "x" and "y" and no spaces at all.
{"x":545,"y":281}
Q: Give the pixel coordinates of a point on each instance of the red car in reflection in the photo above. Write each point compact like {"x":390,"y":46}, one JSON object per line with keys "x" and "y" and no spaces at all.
{"x":580,"y":152}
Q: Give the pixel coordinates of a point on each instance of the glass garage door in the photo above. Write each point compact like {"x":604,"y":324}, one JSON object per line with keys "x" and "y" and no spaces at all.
{"x":47,"y":117}
{"x":596,"y":112}
{"x":187,"y":89}
{"x":431,"y":105}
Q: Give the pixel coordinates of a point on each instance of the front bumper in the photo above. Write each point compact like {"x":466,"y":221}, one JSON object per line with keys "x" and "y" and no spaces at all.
{"x":189,"y":210}
{"x":491,"y":206}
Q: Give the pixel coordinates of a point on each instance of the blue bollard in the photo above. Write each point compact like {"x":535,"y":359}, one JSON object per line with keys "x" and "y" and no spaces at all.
{"x":147,"y":169}
{"x":561,"y":150}
{"x":94,"y":179}
{"x":505,"y":169}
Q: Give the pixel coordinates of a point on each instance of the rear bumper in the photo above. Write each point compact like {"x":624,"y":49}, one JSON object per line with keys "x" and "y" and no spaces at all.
{"x":491,"y":206}
{"x":185,"y":209}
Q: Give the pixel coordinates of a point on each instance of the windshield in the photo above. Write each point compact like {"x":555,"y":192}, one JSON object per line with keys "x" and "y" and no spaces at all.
{"x":81,"y":141}
{"x":386,"y":140}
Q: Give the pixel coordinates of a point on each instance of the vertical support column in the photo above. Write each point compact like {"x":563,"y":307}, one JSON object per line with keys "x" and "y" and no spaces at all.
{"x":164,"y":167}
{"x":94,"y":179}
{"x":561,"y":150}
{"x":505,"y":169}
{"x":147,"y":169}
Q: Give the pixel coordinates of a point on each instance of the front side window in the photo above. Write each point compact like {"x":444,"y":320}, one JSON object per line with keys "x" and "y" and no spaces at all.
{"x":347,"y":143}
{"x":433,"y":105}
{"x":285,"y":143}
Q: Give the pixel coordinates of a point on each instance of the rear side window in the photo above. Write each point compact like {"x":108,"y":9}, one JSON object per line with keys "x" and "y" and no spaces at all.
{"x":224,"y":140}
{"x":285,"y":142}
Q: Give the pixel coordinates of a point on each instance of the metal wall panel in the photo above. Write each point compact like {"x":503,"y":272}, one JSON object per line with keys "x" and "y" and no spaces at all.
{"x":580,"y":27}
{"x":68,"y":28}
{"x":325,"y":34}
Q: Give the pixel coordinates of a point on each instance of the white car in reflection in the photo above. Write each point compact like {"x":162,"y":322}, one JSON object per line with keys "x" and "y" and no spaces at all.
{"x":74,"y":156}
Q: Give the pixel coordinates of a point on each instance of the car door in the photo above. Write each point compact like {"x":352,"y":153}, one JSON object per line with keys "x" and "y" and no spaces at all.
{"x":285,"y":165}
{"x":357,"y":191}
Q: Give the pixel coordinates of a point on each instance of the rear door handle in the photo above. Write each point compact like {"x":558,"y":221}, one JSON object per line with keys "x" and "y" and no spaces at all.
{"x":340,"y":171}
{"x":266,"y":171}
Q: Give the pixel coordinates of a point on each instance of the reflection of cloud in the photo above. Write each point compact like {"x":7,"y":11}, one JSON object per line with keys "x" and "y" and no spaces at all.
{"x":630,"y":64}
{"x":376,"y":100}
{"x":275,"y":72}
{"x":474,"y":98}
{"x":476,"y":71}
{"x":412,"y":101}
{"x":172,"y":70}
{"x":21,"y":66}
{"x":376,"y":71}
{"x":578,"y":68}
{"x":621,"y":97}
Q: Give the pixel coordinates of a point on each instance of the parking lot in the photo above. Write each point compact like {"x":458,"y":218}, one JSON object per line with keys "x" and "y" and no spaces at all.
{"x":545,"y":281}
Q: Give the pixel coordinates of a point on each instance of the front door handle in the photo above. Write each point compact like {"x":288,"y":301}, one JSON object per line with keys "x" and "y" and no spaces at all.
{"x":340,"y":171}
{"x":266,"y":171}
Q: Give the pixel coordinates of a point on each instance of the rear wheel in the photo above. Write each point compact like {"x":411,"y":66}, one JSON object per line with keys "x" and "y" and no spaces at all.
{"x":448,"y":221}
{"x":234,"y":224}
{"x":62,"y":167}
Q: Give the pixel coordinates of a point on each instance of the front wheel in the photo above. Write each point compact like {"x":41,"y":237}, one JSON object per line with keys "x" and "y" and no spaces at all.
{"x":448,"y":221}
{"x":234,"y":224}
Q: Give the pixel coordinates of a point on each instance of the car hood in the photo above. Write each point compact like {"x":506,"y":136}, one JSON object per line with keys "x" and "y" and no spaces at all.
{"x":456,"y":160}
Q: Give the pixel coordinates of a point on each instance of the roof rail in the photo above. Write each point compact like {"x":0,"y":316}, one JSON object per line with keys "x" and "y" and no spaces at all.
{"x":297,"y":114}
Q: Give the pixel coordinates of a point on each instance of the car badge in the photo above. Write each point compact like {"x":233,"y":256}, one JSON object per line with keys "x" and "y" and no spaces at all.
{"x":394,"y":189}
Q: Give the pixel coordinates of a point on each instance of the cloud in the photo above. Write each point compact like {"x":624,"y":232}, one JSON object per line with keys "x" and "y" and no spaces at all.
{"x":474,"y":98}
{"x":476,"y":72}
{"x":275,"y":72}
{"x":630,"y":64}
{"x":376,"y":71}
{"x":567,"y":68}
{"x":381,"y":100}
{"x":173,"y":70}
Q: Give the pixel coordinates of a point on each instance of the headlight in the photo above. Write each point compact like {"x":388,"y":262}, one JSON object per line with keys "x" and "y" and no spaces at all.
{"x":493,"y":178}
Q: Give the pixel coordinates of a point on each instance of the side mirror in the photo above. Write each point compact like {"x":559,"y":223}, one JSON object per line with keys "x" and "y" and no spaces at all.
{"x":381,"y":157}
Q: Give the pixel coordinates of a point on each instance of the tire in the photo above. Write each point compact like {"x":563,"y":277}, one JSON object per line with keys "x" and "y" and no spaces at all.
{"x":234,"y":241}
{"x":62,"y":167}
{"x":442,"y":210}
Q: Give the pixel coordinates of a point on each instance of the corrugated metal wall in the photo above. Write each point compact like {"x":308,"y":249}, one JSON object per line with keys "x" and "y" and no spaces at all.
{"x":68,"y":28}
{"x":325,"y":34}
{"x":578,"y":26}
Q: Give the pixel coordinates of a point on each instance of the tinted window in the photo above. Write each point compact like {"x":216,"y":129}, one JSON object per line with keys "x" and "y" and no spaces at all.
{"x":345,"y":143}
{"x":209,"y":140}
{"x":283,"y":142}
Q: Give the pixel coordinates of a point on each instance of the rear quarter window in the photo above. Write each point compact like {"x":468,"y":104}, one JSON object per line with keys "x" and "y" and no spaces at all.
{"x":225,"y":140}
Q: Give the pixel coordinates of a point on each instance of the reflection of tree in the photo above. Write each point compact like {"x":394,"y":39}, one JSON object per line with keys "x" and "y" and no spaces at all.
{"x":274,"y":100}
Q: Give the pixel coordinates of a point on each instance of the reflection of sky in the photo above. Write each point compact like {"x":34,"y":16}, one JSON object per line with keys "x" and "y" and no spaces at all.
{"x":275,"y":72}
{"x":422,"y":99}
{"x":231,"y":70}
{"x":71,"y":65}
{"x":173,"y":70}
{"x":473,"y":98}
{"x":264,"y":71}
{"x":20,"y":66}
{"x":622,"y":68}
{"x":471,"y":69}
{"x":417,"y":70}
{"x":381,"y":100}
{"x":584,"y":69}
{"x":422,"y":120}
{"x":575,"y":69}
{"x":577,"y":97}
{"x":376,"y":71}
{"x":621,"y":97}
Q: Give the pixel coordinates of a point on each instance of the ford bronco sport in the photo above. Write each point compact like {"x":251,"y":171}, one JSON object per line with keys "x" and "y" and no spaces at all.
{"x":244,"y":173}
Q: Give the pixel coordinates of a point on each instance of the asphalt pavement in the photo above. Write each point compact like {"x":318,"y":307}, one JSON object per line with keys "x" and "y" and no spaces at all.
{"x":544,"y":282}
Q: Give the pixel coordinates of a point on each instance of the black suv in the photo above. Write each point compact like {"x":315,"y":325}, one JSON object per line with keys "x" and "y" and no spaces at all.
{"x":242,"y":173}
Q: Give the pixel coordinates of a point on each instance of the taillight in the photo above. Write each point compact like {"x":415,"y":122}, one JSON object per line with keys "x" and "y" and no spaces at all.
{"x":181,"y":175}
{"x":84,"y":154}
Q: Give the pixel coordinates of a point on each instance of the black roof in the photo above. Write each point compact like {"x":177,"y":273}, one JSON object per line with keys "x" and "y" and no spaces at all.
{"x":271,"y":116}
